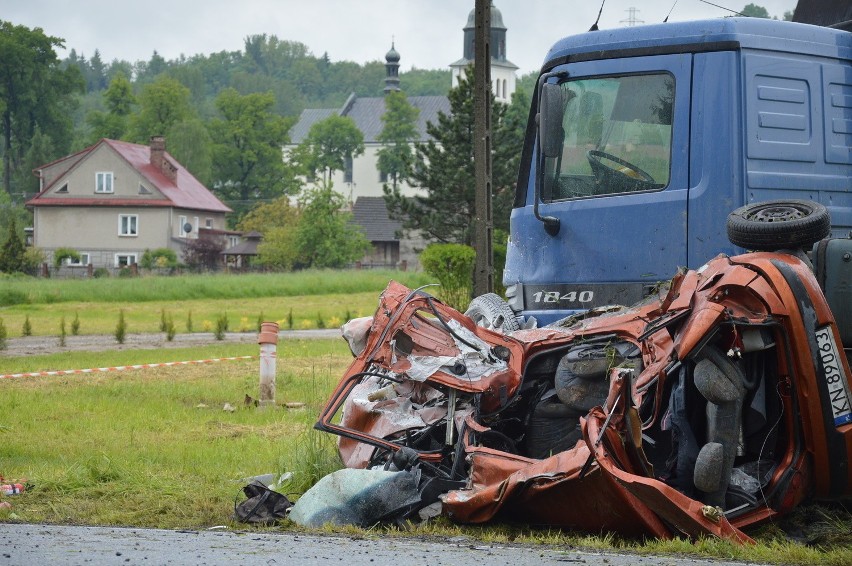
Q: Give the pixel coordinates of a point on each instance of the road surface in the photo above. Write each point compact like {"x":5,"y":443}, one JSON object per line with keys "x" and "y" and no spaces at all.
{"x":25,"y":545}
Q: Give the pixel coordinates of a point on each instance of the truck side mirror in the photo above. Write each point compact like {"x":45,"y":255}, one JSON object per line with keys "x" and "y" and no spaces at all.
{"x":551,"y":106}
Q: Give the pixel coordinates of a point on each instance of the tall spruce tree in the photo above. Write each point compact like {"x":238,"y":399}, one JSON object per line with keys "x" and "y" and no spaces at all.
{"x":444,"y":169}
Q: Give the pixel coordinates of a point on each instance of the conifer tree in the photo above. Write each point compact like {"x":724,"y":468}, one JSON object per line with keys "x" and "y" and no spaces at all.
{"x":444,"y":169}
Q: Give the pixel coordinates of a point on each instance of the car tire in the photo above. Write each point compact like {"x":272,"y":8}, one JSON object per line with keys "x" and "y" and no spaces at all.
{"x":491,"y":312}
{"x":552,"y":428}
{"x":778,"y":224}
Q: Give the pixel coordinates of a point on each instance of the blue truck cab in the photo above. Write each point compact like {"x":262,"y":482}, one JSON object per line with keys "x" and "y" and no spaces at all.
{"x":641,"y":140}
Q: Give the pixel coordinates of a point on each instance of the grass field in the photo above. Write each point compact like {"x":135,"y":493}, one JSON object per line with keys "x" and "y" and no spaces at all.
{"x":307,"y":299}
{"x":154,"y":447}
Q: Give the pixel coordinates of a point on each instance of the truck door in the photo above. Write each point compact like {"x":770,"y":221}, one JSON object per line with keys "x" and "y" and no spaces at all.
{"x":619,"y":189}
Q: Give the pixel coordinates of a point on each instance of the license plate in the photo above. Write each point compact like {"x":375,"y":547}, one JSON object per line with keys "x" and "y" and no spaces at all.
{"x":835,"y":381}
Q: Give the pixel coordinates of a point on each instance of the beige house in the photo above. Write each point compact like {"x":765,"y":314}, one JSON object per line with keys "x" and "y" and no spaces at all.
{"x":114,"y":200}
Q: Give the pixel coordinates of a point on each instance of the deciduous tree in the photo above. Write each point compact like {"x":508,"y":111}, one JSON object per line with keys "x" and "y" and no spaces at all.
{"x":754,"y":11}
{"x":326,"y":237}
{"x":119,"y":100}
{"x":327,"y":146}
{"x":162,"y":104}
{"x":247,"y":151}
{"x":399,"y":129}
{"x":35,"y":91}
{"x":278,"y":222}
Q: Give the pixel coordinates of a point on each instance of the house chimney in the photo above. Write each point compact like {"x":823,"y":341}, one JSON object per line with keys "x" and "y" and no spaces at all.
{"x":158,"y":158}
{"x":158,"y":150}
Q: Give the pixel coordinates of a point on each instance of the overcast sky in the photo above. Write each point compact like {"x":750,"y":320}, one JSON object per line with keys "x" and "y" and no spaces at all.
{"x":428,"y":33}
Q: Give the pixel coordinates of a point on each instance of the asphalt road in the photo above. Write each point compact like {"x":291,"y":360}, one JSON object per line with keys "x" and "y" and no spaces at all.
{"x":25,"y":545}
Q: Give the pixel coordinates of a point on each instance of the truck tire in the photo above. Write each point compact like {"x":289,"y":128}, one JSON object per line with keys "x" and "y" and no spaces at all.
{"x":778,"y":224}
{"x":491,"y":312}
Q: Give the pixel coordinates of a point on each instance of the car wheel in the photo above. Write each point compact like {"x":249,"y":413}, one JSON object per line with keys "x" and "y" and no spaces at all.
{"x":778,"y":224}
{"x":491,"y":312}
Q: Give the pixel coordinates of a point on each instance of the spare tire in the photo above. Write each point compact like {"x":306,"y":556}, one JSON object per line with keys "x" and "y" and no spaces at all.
{"x":491,"y":312}
{"x":778,"y":224}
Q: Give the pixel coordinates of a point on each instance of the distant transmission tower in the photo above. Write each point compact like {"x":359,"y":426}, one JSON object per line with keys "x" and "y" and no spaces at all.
{"x":632,"y":20}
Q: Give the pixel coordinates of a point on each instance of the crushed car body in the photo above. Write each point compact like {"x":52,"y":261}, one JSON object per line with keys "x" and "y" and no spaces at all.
{"x":718,"y":403}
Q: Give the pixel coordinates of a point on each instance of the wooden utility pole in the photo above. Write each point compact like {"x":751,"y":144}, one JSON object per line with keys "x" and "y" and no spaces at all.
{"x":483,"y":276}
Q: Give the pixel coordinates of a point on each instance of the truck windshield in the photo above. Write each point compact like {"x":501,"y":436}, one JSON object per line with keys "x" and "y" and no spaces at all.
{"x":617,"y":137}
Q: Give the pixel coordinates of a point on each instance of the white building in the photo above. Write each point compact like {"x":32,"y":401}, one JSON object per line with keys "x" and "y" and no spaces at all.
{"x":502,"y":70}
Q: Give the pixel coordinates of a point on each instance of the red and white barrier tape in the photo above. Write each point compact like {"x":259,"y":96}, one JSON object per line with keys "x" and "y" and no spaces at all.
{"x":121,"y":368}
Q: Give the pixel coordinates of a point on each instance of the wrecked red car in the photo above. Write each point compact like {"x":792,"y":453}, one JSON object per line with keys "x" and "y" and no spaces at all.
{"x":718,"y":403}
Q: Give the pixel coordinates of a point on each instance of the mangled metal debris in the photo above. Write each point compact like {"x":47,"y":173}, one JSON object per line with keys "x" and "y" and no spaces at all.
{"x":718,"y":404}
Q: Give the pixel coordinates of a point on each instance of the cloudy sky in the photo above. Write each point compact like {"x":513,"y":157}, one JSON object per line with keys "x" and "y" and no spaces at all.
{"x":427,"y":33}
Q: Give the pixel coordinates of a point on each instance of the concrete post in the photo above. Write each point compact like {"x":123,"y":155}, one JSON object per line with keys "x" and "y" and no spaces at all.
{"x":268,"y":340}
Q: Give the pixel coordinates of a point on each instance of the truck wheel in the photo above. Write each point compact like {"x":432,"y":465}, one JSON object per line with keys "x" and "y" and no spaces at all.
{"x":778,"y":224}
{"x":491,"y":312}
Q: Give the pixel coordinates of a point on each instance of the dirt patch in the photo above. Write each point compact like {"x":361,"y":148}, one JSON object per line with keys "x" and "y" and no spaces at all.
{"x":34,"y":345}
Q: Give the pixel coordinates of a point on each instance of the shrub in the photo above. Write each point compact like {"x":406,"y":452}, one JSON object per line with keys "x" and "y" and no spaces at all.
{"x":62,"y":254}
{"x":163,"y":323}
{"x":62,"y":333}
{"x":189,"y":321}
{"x":11,"y":297}
{"x":75,"y":324}
{"x":290,"y":320}
{"x":2,"y":335}
{"x":170,"y":329}
{"x":120,"y":328}
{"x":160,"y":258}
{"x":33,"y":258}
{"x":320,"y":321}
{"x":259,"y":321}
{"x":204,"y":252}
{"x":125,"y":273}
{"x":100,"y":272}
{"x":452,"y":265}
{"x":221,"y":327}
{"x":27,"y":328}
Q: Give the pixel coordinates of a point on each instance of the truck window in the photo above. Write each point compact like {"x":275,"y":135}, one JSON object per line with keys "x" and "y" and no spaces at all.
{"x":617,"y":137}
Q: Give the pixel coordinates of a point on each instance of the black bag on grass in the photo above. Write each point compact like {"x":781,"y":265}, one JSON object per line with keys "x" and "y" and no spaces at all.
{"x":263,"y":506}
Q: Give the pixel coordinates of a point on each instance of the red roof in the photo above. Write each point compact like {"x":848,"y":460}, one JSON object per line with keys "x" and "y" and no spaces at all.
{"x":187,"y":192}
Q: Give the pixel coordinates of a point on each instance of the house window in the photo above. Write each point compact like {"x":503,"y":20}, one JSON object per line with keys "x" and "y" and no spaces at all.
{"x":103,"y":182}
{"x":347,"y":169}
{"x":383,"y":177}
{"x":143,"y":190}
{"x":128,"y":224}
{"x":125,"y":260}
{"x":63,"y":188}
{"x":208,"y":222}
{"x":84,"y":260}
{"x":182,"y":226}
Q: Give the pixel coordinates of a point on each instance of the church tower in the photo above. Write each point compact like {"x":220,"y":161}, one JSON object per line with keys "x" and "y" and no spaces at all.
{"x":391,"y":70}
{"x":502,"y":70}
